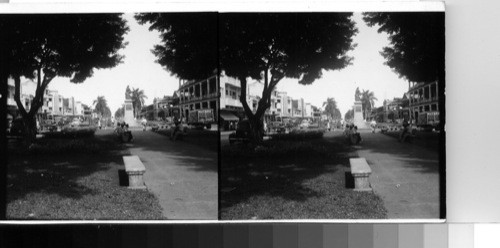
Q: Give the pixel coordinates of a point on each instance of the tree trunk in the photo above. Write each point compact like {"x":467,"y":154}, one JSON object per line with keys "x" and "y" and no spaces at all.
{"x":30,"y":129}
{"x":256,"y":120}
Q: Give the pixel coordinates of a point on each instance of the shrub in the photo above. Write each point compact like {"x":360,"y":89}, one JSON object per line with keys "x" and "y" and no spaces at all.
{"x":298,"y":135}
{"x":72,"y":132}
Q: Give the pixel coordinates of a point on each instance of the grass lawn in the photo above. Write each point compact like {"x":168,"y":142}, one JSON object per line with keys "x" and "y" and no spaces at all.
{"x":292,"y":180}
{"x":77,"y":179}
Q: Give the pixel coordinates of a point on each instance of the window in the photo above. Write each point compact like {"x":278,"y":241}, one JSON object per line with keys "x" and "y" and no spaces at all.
{"x":434,"y":107}
{"x":427,"y":108}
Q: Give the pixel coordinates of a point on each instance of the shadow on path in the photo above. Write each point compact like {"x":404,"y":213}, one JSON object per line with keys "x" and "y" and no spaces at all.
{"x":405,"y":175}
{"x":183,"y":176}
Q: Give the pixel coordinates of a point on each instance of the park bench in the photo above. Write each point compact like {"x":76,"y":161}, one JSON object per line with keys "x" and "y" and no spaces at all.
{"x":135,"y":170}
{"x":360,"y":171}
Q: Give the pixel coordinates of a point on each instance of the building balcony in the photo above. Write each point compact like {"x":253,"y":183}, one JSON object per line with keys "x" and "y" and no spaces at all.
{"x":231,"y":102}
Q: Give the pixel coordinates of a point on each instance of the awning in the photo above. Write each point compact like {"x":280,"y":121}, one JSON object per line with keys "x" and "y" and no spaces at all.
{"x":228,"y":116}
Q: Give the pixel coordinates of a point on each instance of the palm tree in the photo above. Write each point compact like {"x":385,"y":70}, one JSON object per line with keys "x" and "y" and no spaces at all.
{"x":119,"y":113}
{"x":137,"y":97}
{"x":368,"y":101}
{"x":330,"y":107}
{"x":101,"y":107}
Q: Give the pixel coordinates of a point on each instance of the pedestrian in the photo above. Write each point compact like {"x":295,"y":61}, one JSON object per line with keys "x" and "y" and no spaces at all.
{"x":405,"y":133}
{"x":373,"y":125}
{"x":129,"y":133}
{"x":357,"y":136}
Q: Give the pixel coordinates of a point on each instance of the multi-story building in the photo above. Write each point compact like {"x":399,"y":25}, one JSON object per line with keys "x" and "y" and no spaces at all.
{"x":308,"y":111}
{"x":395,"y":110}
{"x":424,"y":103}
{"x":200,"y":94}
{"x":230,"y":92}
{"x":298,"y":108}
{"x":52,"y":103}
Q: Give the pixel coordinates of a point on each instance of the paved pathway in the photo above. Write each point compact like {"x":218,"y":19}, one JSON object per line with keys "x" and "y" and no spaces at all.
{"x":406,"y":176}
{"x":183,"y":176}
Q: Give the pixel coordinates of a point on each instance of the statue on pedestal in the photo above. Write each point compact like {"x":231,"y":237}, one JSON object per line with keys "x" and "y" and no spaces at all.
{"x":128,"y":93}
{"x":357,"y":95}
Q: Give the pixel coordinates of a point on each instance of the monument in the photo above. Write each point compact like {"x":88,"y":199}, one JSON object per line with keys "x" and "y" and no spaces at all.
{"x":358,"y":111}
{"x":128,"y":115}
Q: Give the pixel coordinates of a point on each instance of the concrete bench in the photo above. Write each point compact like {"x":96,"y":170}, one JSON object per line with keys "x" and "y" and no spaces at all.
{"x":360,"y":171}
{"x":135,"y":170}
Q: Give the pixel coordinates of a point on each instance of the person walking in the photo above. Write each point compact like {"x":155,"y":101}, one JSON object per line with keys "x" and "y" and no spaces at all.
{"x":405,"y":133}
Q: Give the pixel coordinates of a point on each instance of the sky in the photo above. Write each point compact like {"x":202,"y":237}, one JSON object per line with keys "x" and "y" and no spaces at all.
{"x":139,"y":70}
{"x":367,"y":72}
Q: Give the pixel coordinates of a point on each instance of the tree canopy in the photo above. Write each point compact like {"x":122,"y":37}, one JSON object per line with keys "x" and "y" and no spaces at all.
{"x":189,"y":42}
{"x":349,"y":115}
{"x":101,"y":107}
{"x":119,"y":113}
{"x":263,"y":46}
{"x":137,"y":95}
{"x":43,"y":47}
{"x":270,"y":47}
{"x":417,"y":43}
{"x":331,"y":109}
{"x":367,"y":102}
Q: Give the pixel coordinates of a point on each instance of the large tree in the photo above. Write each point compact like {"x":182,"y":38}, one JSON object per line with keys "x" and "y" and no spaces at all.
{"x":101,"y":107}
{"x":189,"y":42}
{"x":265,"y":46}
{"x":349,"y":115}
{"x":42,"y":47}
{"x":331,"y":109}
{"x":417,"y":46}
{"x":270,"y":47}
{"x":119,"y":113}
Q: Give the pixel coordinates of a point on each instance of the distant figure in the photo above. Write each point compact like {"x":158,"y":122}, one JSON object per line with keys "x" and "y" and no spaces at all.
{"x":355,"y":136}
{"x":405,"y":133}
{"x":144,"y":123}
{"x":347,"y":131}
{"x":129,"y":133}
{"x":328,"y":126}
{"x":176,"y":130}
{"x":373,"y":125}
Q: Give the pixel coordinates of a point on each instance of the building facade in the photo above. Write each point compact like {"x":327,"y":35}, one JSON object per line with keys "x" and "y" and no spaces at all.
{"x":201,"y":94}
{"x":424,"y":103}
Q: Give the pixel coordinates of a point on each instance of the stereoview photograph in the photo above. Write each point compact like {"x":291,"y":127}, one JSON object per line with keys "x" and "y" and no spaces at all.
{"x":100,"y":123}
{"x":332,"y":116}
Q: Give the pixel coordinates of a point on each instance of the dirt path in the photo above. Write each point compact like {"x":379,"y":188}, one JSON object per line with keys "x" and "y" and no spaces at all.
{"x":182,"y":176}
{"x":404,"y":175}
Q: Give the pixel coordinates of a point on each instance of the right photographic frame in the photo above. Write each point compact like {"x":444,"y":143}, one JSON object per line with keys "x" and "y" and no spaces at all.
{"x":332,"y":116}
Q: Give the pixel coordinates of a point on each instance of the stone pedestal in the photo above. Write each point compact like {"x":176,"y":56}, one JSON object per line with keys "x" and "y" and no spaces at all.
{"x":361,"y":182}
{"x":128,"y":115}
{"x":358,"y":115}
{"x":135,"y":180}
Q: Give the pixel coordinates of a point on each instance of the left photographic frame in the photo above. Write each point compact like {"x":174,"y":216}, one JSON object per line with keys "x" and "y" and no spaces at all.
{"x":106,"y":122}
